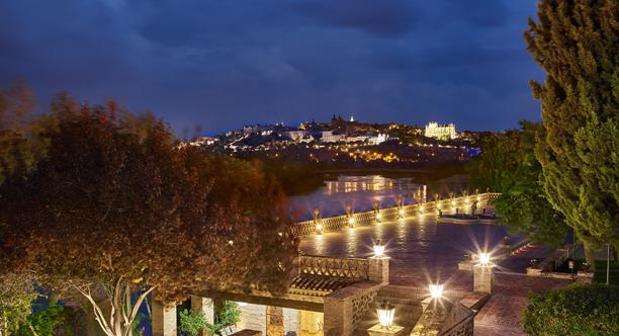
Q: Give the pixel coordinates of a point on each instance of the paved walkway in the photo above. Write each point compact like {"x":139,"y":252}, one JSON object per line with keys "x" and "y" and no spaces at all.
{"x":502,"y":314}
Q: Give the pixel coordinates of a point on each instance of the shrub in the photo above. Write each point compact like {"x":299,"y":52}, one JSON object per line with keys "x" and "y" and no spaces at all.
{"x":44,"y":322}
{"x":192,"y":322}
{"x":579,"y":310}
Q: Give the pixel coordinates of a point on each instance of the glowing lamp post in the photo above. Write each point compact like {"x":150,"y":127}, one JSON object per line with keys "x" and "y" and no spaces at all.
{"x":386,"y":314}
{"x":317,"y":223}
{"x":484,"y":259}
{"x":385,"y":325}
{"x":379,"y":249}
{"x":436,"y":291}
{"x":319,"y":228}
{"x":482,"y":273}
{"x":400,"y":202}
{"x":377,"y":210}
{"x":349,"y":215}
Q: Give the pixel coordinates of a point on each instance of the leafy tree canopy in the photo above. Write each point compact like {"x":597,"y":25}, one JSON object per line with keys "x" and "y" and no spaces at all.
{"x":576,"y":42}
{"x":116,"y":205}
{"x":507,"y":165}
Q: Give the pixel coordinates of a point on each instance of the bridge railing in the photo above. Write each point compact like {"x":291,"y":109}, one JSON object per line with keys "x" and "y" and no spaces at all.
{"x":350,"y":268}
{"x":337,"y":223}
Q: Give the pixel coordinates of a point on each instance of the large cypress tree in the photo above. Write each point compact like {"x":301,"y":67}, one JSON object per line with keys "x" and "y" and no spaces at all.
{"x":576,"y":42}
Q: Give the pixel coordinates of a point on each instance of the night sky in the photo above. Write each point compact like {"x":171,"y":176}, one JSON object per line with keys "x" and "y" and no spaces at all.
{"x":225,"y":63}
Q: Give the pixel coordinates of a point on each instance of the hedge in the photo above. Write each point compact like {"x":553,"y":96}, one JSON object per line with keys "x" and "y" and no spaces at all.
{"x":579,"y":310}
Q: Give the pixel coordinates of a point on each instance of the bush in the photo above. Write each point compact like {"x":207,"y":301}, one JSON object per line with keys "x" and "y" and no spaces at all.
{"x":44,"y":322}
{"x":579,"y":310}
{"x":192,"y":322}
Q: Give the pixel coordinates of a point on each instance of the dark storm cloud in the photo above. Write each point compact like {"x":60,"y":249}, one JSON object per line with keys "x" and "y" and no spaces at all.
{"x":379,"y":17}
{"x":221,"y":64}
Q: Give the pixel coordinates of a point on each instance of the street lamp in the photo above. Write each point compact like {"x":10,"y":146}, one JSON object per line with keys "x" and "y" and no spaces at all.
{"x":436,"y":291}
{"x":379,"y":249}
{"x":386,"y":313}
{"x":483,"y":258}
{"x":319,"y":228}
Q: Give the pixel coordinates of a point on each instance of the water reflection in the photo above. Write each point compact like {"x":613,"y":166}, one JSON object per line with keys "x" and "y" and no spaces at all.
{"x":358,"y":191}
{"x":419,"y":247}
{"x":352,"y":242}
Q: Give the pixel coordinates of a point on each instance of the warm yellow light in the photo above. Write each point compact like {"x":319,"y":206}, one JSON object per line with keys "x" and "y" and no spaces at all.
{"x":484,"y":258}
{"x":379,"y":249}
{"x":401,"y":212}
{"x":351,"y":221}
{"x":386,"y":313}
{"x":436,"y":291}
{"x":378,"y":216}
{"x":319,"y":228}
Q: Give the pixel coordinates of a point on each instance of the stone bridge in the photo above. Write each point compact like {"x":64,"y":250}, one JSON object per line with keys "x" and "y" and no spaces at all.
{"x":466,"y":204}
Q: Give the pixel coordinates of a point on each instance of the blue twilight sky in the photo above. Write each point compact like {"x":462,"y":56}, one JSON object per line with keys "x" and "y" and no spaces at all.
{"x":224,"y":63}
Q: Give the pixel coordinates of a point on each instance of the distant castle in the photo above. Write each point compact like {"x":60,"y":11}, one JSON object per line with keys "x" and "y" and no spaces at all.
{"x":441,"y":132}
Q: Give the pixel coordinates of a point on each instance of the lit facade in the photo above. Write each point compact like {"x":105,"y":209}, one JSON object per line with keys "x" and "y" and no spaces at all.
{"x":441,"y":132}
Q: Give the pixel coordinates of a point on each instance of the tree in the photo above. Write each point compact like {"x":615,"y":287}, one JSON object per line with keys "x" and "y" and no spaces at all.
{"x":576,"y":42}
{"x":507,"y":165}
{"x":117,"y":207}
{"x":573,"y":311}
{"x":16,"y":295}
{"x":16,"y":109}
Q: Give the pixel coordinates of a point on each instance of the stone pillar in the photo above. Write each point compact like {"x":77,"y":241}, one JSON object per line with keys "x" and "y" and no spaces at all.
{"x":482,"y":278}
{"x":338,"y":316}
{"x":254,"y":317}
{"x":379,"y":269}
{"x":275,"y":321}
{"x":163,"y":319}
{"x":206,"y":306}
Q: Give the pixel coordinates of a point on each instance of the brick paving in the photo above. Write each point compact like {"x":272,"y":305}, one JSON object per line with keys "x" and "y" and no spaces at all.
{"x":502,"y":314}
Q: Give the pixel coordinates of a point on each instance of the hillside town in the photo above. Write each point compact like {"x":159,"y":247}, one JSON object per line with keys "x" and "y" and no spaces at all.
{"x":349,"y":143}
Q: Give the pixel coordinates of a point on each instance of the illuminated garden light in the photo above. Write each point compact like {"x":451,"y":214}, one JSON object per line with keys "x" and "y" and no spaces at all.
{"x":483,"y":258}
{"x":230,"y":242}
{"x":436,"y":291}
{"x":351,"y":222}
{"x":379,"y":249}
{"x":319,"y":228}
{"x":386,"y":314}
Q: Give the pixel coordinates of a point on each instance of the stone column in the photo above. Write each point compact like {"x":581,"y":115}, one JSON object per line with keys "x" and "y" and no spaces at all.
{"x":338,"y":316}
{"x":379,"y":269}
{"x":163,"y":319}
{"x":482,"y":278}
{"x":206,"y":306}
{"x":275,"y":320}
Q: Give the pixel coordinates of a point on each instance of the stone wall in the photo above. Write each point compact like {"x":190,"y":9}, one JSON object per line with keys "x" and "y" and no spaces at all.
{"x":253,"y":316}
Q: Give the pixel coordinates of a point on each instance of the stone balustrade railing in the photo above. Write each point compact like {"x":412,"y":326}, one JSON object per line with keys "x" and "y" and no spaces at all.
{"x":337,"y":223}
{"x":350,"y":268}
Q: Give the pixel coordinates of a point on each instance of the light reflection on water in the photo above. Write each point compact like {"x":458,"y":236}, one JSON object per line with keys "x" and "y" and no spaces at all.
{"x":358,"y":191}
{"x":419,"y":247}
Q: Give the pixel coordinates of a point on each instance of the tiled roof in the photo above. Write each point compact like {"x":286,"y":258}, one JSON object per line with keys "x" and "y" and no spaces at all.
{"x":321,"y":283}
